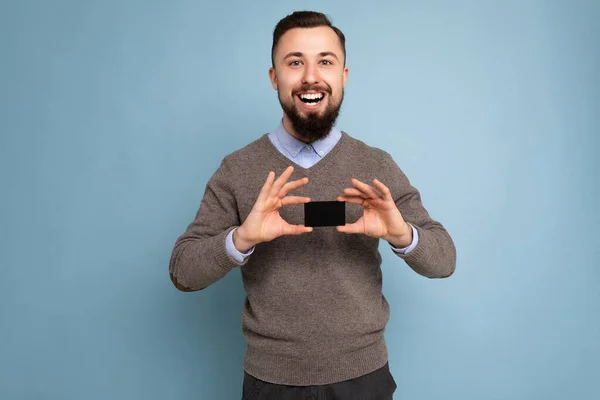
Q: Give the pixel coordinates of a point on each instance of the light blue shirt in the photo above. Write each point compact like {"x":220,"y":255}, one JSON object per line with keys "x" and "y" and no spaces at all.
{"x":305,"y":155}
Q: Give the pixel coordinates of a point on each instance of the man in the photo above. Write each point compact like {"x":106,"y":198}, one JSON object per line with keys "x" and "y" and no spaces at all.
{"x":314,"y":315}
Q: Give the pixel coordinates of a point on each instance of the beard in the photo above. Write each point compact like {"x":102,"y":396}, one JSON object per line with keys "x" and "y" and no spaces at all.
{"x":313,"y":126}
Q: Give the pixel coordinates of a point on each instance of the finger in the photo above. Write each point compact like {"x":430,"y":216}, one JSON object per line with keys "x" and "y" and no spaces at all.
{"x":289,"y":229}
{"x":291,"y":186}
{"x":387,"y":195}
{"x":352,"y":199}
{"x":355,"y":227}
{"x":267,"y":185}
{"x":281,"y":180}
{"x":291,"y":200}
{"x":354,"y":192}
{"x":366,"y":189}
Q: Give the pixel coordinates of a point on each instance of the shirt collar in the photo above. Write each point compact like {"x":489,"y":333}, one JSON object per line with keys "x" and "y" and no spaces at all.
{"x":293,"y":145}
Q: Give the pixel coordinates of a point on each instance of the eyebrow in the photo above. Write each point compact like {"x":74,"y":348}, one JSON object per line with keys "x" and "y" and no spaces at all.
{"x":321,"y":54}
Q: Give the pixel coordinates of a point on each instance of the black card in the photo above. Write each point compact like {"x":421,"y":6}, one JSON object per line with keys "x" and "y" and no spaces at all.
{"x":325,"y":213}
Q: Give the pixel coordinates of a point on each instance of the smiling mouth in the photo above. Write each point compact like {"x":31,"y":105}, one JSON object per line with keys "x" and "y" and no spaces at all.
{"x":311,"y":99}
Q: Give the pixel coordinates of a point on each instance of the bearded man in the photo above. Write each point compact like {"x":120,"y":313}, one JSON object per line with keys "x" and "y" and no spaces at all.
{"x":314,"y":315}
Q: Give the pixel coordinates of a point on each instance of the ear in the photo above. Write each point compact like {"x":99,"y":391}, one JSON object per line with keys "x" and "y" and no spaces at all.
{"x":273,"y":77}
{"x":345,"y":76}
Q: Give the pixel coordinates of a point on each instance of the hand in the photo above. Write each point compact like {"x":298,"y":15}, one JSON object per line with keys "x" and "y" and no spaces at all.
{"x":381,"y":218}
{"x":264,"y":223}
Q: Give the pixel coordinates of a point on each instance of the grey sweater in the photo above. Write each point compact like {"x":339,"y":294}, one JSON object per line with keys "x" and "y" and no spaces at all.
{"x":314,"y":312}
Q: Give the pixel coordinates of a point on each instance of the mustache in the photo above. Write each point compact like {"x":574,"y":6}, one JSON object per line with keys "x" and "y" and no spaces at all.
{"x":306,"y":88}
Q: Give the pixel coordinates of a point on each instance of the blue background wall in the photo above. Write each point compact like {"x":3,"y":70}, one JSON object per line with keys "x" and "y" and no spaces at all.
{"x":114,"y":115}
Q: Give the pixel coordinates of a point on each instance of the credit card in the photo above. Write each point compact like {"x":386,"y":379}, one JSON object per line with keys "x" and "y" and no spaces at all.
{"x":325,"y":213}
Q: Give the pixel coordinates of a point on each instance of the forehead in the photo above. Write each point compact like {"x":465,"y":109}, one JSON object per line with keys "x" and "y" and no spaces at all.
{"x":309,"y":41}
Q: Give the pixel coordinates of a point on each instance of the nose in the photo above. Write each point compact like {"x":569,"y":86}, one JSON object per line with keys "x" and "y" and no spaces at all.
{"x":311,"y":74}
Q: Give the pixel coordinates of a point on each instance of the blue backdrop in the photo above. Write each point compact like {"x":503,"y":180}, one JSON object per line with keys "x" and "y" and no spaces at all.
{"x":114,"y":115}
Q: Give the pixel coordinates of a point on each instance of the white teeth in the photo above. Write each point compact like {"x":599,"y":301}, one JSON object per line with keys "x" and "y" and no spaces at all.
{"x":311,"y":96}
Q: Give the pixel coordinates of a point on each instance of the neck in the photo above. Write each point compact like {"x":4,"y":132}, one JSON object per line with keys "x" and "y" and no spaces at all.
{"x":287,"y":124}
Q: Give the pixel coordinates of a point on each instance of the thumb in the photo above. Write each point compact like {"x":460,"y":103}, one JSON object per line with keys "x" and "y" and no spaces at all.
{"x":355,"y":227}
{"x":289,"y":229}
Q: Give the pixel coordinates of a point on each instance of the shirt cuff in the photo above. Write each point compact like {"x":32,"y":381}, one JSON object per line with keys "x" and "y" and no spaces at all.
{"x":406,"y":250}
{"x":233,"y":252}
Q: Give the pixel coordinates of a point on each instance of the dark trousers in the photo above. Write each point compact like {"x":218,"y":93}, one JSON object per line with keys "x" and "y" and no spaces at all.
{"x":377,"y":385}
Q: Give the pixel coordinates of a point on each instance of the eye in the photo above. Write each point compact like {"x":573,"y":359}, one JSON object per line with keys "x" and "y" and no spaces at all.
{"x":294,"y":63}
{"x":326,"y":62}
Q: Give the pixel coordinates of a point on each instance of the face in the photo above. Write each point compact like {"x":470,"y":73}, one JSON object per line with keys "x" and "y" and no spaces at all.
{"x":309,"y":77}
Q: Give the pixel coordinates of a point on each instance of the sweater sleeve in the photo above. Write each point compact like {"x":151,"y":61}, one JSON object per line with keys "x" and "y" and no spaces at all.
{"x":435,"y":253}
{"x":200,"y":256}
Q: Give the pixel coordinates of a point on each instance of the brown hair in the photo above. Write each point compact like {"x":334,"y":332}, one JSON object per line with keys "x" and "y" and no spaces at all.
{"x":304,"y":19}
